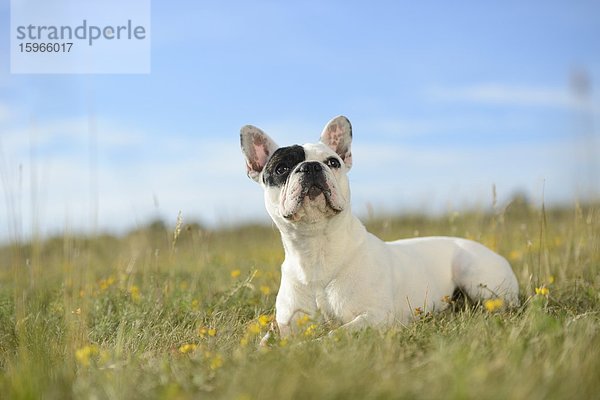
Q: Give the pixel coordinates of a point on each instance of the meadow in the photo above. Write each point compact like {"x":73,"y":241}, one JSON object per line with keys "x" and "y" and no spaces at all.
{"x":176,"y":311}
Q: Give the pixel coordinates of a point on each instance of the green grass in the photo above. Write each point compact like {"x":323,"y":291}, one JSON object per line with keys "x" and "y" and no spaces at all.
{"x":166,"y":314}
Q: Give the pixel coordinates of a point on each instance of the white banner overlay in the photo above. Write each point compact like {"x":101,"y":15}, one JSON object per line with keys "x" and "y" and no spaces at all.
{"x":80,"y":36}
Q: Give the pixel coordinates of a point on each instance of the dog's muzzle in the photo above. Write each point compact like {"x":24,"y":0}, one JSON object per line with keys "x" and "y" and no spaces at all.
{"x":308,"y":182}
{"x":313,"y":180}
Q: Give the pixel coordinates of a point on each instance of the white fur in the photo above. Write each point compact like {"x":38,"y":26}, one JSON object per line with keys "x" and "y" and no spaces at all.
{"x":335,"y":268}
{"x":350,"y":276}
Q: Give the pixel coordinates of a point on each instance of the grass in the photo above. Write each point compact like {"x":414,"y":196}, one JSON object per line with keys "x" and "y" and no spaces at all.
{"x":177,"y":312}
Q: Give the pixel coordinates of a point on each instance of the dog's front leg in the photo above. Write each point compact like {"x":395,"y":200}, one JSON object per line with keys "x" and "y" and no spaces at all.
{"x":359,"y":322}
{"x":276,"y":328}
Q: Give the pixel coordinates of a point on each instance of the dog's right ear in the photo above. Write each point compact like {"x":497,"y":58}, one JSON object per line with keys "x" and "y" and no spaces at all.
{"x":257,"y":147}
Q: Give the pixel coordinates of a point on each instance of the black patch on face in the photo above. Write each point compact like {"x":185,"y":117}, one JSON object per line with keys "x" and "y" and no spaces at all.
{"x":283,"y":161}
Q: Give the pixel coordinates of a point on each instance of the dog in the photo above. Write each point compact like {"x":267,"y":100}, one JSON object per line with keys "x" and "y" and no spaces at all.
{"x":333,"y":267}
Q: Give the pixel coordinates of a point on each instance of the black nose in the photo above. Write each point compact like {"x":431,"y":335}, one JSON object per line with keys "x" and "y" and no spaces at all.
{"x":311,"y":167}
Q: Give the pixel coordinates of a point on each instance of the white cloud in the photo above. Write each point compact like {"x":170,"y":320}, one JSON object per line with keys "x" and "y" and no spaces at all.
{"x":524,"y":96}
{"x":76,"y":131}
{"x":403,"y":127}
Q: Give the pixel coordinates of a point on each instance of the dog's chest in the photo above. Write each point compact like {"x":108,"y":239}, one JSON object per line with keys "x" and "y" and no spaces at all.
{"x":331,"y":303}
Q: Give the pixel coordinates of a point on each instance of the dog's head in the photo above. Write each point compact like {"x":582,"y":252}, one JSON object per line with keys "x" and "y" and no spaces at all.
{"x":303,"y":184}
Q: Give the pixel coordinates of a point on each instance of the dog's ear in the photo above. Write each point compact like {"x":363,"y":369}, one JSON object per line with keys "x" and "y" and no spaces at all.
{"x":257,"y":147}
{"x":337,"y":134}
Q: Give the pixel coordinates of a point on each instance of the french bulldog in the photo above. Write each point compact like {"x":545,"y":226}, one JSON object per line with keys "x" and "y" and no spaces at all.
{"x":333,"y":267}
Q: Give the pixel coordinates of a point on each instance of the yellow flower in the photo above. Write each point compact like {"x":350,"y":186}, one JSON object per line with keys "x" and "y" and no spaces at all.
{"x":551,"y":279}
{"x":106,"y":283}
{"x":244,"y":341}
{"x":235,"y":273}
{"x":188,"y":348}
{"x":310,"y":330}
{"x":265,"y":290}
{"x":86,"y":353}
{"x":254,"y":328}
{"x":492,"y":305}
{"x":418,"y":311}
{"x":515,"y":255}
{"x":303,"y":320}
{"x":542,"y":291}
{"x":216,"y":362}
{"x":195,"y":304}
{"x":203,"y":332}
{"x":264,"y":320}
{"x":134,"y":292}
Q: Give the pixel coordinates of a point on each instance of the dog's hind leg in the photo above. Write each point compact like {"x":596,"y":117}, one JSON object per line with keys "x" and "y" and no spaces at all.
{"x":482,"y":274}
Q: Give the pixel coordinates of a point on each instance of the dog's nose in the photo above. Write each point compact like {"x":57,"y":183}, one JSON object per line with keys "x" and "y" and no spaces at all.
{"x":311,"y":167}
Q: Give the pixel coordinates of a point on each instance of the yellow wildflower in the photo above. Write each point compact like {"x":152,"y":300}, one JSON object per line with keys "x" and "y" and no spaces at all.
{"x":195,"y":304}
{"x":216,"y":362}
{"x":515,"y":255}
{"x":203,"y":332}
{"x":188,"y":348}
{"x":106,"y":283}
{"x":265,"y":290}
{"x":86,"y":353}
{"x":235,"y":273}
{"x":542,"y":291}
{"x":134,"y":292}
{"x":303,"y":320}
{"x":264,"y":320}
{"x":310,"y":330}
{"x":492,"y":305}
{"x":244,"y":341}
{"x":418,"y":311}
{"x":551,"y":279}
{"x":254,"y":328}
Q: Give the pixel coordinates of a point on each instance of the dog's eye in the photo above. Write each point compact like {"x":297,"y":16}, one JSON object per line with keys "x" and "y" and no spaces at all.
{"x":333,"y":162}
{"x":281,"y":169}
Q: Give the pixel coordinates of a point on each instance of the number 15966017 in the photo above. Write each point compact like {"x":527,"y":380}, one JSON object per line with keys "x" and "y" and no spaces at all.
{"x":45,"y":47}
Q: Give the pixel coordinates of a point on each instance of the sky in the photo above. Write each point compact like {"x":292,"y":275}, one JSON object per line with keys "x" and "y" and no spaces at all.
{"x":446,"y":99}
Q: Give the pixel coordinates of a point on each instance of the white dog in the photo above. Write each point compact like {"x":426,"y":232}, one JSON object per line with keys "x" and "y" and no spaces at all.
{"x":333,"y":266}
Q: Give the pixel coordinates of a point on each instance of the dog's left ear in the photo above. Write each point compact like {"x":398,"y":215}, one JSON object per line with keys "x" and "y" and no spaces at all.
{"x":337,"y":134}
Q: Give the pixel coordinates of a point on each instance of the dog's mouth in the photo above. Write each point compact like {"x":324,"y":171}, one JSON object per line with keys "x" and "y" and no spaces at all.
{"x":313,"y":191}
{"x":316,"y":196}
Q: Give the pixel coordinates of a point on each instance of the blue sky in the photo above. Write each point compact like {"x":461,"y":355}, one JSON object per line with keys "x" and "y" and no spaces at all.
{"x":446,"y":100}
